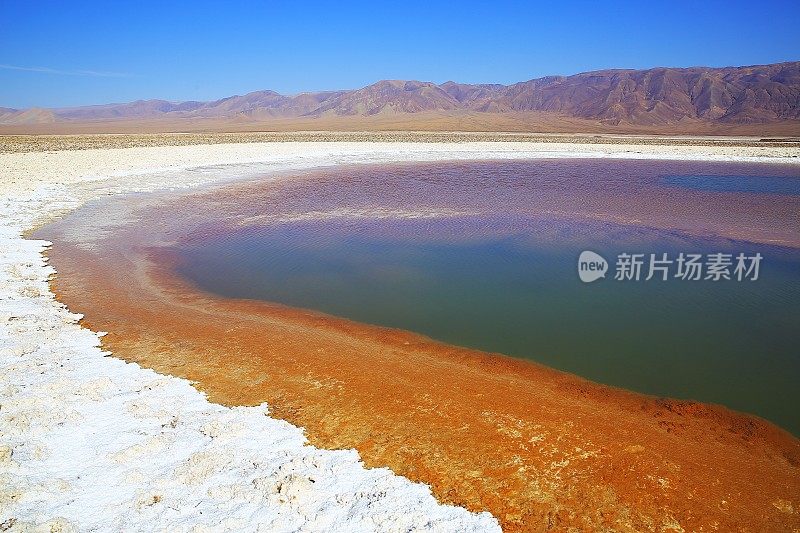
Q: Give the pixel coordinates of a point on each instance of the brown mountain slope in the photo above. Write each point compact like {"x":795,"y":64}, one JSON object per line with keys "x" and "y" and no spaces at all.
{"x":30,"y":116}
{"x":390,"y":96}
{"x":140,"y":109}
{"x":477,"y":97}
{"x":674,"y":100}
{"x":663,"y":95}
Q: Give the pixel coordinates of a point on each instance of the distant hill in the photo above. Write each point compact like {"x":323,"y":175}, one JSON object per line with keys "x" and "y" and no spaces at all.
{"x":34,"y":115}
{"x":665,"y":95}
{"x":651,"y":99}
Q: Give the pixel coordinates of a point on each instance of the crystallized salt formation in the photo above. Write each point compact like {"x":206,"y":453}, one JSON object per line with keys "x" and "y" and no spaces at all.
{"x":90,"y":443}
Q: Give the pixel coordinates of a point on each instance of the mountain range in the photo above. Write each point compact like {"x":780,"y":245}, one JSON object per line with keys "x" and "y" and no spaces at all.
{"x":607,"y":99}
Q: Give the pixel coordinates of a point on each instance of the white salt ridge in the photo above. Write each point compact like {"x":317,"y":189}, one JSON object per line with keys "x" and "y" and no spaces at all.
{"x":91,"y":443}
{"x":349,"y":213}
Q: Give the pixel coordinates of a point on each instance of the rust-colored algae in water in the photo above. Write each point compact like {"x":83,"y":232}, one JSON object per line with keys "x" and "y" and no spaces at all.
{"x":538,"y":448}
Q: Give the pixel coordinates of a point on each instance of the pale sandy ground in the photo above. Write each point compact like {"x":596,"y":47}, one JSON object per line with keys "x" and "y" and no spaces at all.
{"x":88,"y":442}
{"x":42,"y":143}
{"x":27,"y":170}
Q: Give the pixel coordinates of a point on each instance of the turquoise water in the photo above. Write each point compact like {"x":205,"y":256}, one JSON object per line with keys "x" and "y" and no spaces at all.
{"x":748,"y":184}
{"x":508,"y":283}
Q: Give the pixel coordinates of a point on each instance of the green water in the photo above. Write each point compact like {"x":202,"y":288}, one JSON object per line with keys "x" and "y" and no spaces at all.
{"x":503,"y":276}
{"x":734,"y":343}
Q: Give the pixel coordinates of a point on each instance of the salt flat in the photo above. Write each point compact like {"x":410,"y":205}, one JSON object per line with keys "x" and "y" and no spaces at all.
{"x":26,"y":170}
{"x":89,"y":442}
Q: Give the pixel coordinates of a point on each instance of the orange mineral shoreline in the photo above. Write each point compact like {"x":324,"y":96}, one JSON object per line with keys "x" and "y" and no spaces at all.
{"x":538,"y":448}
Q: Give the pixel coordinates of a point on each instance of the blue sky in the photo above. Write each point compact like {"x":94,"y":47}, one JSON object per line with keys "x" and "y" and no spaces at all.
{"x":76,"y":53}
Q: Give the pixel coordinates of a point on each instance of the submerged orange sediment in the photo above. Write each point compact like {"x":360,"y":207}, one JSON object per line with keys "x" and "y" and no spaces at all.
{"x":538,"y":448}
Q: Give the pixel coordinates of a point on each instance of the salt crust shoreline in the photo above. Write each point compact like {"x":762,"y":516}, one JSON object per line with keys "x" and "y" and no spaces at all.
{"x":91,"y":443}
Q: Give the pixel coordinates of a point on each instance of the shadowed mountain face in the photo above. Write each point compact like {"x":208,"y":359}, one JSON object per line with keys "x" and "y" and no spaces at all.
{"x":659,"y":96}
{"x":664,"y":95}
{"x":391,"y":96}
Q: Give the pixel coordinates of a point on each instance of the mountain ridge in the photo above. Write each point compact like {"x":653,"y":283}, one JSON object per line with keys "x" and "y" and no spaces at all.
{"x":757,"y":94}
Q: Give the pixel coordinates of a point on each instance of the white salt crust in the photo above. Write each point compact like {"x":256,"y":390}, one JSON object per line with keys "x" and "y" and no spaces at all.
{"x":91,"y":443}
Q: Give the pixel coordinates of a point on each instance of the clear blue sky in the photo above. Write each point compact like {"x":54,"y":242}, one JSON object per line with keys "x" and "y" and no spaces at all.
{"x":73,"y":53}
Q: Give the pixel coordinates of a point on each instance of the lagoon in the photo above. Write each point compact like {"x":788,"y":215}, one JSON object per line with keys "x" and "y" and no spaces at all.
{"x":487,"y":259}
